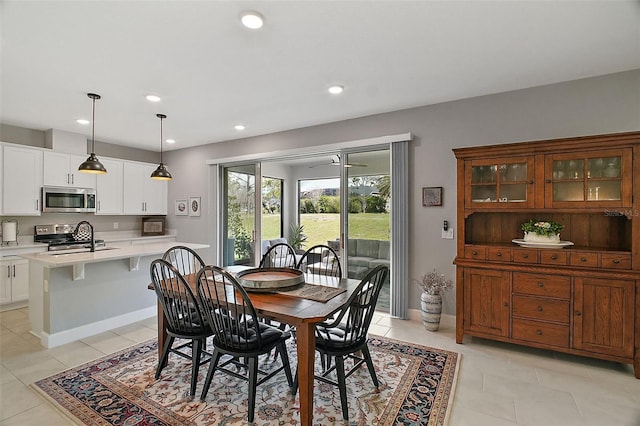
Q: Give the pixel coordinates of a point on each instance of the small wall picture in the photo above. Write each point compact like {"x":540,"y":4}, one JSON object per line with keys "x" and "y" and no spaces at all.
{"x":194,"y":206}
{"x":182,"y":208}
{"x":432,"y":196}
{"x":153,"y":226}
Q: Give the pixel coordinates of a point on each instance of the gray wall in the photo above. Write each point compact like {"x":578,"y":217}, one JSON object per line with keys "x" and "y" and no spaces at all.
{"x":605,"y":104}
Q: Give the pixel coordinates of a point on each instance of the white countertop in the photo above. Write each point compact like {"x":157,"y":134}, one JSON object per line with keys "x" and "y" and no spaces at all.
{"x":111,"y":252}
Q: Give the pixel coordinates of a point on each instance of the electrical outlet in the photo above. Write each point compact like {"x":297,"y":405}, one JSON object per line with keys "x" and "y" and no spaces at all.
{"x":448,"y":234}
{"x":115,"y":225}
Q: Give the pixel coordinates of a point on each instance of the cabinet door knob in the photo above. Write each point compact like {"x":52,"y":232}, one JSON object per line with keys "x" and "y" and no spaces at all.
{"x":554,"y":257}
{"x":506,"y":305}
{"x":578,"y":313}
{"x":616,"y":260}
{"x":531,"y":182}
{"x":539,"y":308}
{"x":548,"y":180}
{"x":540,"y":284}
{"x":539,"y":332}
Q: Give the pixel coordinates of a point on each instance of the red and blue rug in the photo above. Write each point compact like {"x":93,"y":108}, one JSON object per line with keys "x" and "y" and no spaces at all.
{"x":417,"y":385}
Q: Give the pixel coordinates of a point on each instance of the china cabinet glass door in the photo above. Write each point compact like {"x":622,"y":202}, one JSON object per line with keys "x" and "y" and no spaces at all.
{"x":596,"y":179}
{"x":500,"y":183}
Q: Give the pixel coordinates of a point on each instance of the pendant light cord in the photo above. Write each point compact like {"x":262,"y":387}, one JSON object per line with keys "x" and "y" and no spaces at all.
{"x":93,"y":126}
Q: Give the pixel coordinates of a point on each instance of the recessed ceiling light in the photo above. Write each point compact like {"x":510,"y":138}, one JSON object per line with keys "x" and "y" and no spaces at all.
{"x":251,"y":19}
{"x":153,"y":98}
{"x":170,"y":141}
{"x":239,"y":127}
{"x":334,"y":90}
{"x":82,"y":121}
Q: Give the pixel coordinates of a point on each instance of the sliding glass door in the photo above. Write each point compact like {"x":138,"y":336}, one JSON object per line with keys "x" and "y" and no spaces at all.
{"x":240,"y":222}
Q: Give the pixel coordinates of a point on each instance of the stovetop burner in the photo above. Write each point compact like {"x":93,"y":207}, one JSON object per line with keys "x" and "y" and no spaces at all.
{"x":61,"y":237}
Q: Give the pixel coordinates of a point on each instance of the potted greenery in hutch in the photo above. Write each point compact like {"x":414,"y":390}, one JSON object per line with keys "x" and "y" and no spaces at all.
{"x":539,"y":231}
{"x":432,"y":284}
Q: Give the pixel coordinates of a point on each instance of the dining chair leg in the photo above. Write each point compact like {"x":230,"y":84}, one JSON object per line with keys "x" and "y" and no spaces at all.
{"x":212,"y":368}
{"x":294,"y":387}
{"x":196,"y":352}
{"x":165,"y":355}
{"x":342,"y":386}
{"x":253,"y":384}
{"x":367,"y":358}
{"x":282,"y":348}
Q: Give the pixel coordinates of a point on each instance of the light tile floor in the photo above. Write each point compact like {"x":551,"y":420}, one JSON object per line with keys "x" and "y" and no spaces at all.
{"x":498,"y":384}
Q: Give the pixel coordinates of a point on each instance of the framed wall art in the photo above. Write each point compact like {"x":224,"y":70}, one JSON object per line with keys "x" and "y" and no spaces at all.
{"x":154,"y":225}
{"x":432,"y":196}
{"x":194,"y":206}
{"x":182,"y":208}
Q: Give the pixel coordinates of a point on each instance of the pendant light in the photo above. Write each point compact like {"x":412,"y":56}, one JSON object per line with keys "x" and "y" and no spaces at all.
{"x":93,"y":165}
{"x":161,"y":173}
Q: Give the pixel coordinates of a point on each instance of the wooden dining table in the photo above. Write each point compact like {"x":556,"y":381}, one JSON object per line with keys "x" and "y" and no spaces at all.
{"x":301,"y":313}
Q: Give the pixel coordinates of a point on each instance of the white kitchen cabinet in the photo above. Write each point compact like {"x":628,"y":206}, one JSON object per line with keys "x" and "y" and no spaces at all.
{"x":141,"y":194}
{"x":1,"y":177}
{"x":61,"y":169}
{"x":109,"y":188}
{"x":14,"y":280}
{"x":22,"y":180}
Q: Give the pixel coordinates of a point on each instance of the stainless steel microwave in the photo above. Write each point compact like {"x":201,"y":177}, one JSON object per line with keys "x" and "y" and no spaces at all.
{"x":68,"y":200}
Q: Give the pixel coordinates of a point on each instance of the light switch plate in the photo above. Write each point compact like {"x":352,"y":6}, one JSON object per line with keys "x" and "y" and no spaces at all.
{"x":448,"y":234}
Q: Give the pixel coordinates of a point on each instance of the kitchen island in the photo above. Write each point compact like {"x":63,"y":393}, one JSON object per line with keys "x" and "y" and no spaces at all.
{"x":76,"y":295}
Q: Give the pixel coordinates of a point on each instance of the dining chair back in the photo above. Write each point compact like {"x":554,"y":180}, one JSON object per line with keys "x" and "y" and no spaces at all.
{"x":320,"y":260}
{"x":238,"y":333}
{"x":345,"y":335}
{"x":184,"y":259}
{"x":280,"y":255}
{"x":183,"y":316}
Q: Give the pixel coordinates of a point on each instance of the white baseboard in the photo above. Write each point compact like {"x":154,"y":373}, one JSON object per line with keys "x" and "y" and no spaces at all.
{"x":71,"y":335}
{"x":445,"y":319}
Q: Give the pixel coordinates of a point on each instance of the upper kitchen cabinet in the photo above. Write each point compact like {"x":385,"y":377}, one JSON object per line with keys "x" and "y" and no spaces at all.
{"x":109,"y":188}
{"x":22,"y":180}
{"x":588,"y":179}
{"x":61,"y":169}
{"x":499,"y":183}
{"x":143,"y":195}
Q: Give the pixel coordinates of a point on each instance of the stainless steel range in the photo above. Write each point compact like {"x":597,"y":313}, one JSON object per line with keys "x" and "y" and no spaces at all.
{"x":65,"y":237}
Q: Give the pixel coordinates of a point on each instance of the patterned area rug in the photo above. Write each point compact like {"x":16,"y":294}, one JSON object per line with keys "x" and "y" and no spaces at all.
{"x":417,"y":385}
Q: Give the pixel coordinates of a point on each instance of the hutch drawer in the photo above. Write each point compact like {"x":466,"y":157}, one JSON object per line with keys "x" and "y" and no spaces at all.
{"x":525,"y":255}
{"x":553,"y":257}
{"x":542,"y":285}
{"x":542,"y":309}
{"x":500,"y":254}
{"x":541,"y":332}
{"x":584,"y":259}
{"x":475,"y":252}
{"x":616,"y":261}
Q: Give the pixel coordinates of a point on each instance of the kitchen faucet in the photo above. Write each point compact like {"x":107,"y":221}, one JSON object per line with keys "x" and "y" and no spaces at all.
{"x":93,"y":240}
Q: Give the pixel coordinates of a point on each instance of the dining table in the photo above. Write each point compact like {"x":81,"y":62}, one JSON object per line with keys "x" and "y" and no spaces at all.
{"x":299,"y":312}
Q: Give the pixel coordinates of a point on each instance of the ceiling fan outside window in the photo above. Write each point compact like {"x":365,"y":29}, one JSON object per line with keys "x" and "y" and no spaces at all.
{"x":337,"y":161}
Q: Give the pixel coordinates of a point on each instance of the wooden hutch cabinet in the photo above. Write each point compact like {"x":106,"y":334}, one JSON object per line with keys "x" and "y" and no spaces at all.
{"x":581,"y":296}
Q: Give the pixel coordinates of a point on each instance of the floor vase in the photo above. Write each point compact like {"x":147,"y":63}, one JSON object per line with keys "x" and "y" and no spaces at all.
{"x":431,"y":305}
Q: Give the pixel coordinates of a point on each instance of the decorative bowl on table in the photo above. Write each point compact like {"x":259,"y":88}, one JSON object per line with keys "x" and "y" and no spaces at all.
{"x":269,"y":279}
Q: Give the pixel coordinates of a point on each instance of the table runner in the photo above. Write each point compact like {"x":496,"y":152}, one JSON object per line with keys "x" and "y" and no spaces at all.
{"x":319,"y":293}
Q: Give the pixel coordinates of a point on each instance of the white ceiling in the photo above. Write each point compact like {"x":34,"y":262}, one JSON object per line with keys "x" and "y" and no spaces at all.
{"x":212,"y":73}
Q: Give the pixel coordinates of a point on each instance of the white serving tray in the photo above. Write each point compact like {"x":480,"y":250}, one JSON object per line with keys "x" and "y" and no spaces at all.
{"x":534,"y":244}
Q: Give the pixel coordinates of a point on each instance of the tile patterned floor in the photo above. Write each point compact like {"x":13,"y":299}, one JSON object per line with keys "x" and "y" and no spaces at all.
{"x":499,"y":384}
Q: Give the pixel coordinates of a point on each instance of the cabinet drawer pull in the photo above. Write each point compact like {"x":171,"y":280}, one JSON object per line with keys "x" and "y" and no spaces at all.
{"x":500,"y":255}
{"x":14,"y":271}
{"x":554,"y":257}
{"x":531,"y":182}
{"x":525,"y":256}
{"x":583,"y":259}
{"x":8,"y":271}
{"x":540,"y":284}
{"x":539,"y":308}
{"x":548,"y":180}
{"x":539,"y":332}
{"x":475,"y":253}
{"x":616,"y":260}
{"x":578,"y":313}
